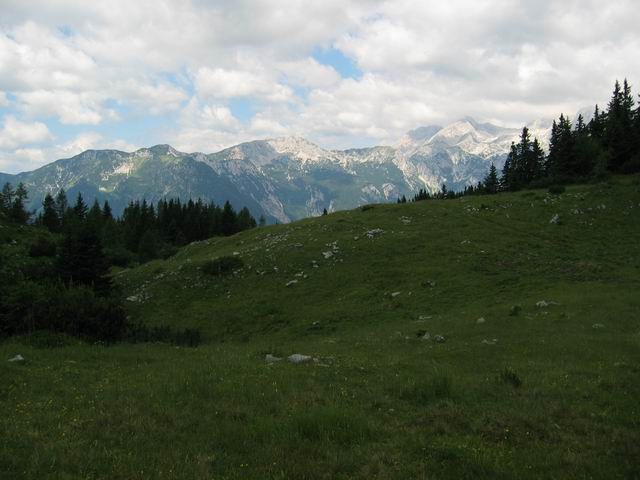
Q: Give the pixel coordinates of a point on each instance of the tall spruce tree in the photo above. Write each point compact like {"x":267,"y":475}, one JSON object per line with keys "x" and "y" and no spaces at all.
{"x":49,"y":214}
{"x":18,"y":211}
{"x":491,"y":182}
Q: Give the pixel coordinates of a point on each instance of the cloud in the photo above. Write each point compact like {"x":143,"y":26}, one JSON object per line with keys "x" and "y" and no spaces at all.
{"x":173,"y":70}
{"x":15,"y":133}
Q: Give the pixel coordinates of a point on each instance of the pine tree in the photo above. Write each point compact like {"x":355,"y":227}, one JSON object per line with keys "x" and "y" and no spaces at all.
{"x":107,"y":213}
{"x":80,"y":208}
{"x":49,"y":214}
{"x":228,"y":220}
{"x":6,"y":199}
{"x":82,"y":261}
{"x":262,"y":221}
{"x":507,"y":180}
{"x":597,"y":124}
{"x":62,"y":205}
{"x":18,"y":212}
{"x":491,"y":183}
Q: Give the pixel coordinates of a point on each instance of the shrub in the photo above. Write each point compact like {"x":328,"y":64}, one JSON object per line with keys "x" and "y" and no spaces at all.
{"x":42,"y":247}
{"x":364,"y":208}
{"x":28,"y":307}
{"x":140,"y":333}
{"x":222,"y":266}
{"x":120,"y":256}
{"x":556,"y":189}
{"x":510,"y":377}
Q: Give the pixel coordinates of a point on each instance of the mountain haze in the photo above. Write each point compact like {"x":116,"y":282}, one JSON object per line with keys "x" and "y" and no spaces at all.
{"x":284,"y":178}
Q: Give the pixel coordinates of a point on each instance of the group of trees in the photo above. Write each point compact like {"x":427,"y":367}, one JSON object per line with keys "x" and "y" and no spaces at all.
{"x":12,"y":203}
{"x":63,"y":284}
{"x":144,"y":231}
{"x":608,"y":143}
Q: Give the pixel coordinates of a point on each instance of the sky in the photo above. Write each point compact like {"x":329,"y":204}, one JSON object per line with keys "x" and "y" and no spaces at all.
{"x":205,"y":75}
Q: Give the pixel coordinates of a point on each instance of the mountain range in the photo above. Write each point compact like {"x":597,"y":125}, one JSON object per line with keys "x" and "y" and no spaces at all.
{"x":284,"y":178}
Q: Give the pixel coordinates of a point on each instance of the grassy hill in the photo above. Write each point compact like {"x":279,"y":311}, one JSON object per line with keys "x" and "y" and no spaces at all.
{"x":469,"y":338}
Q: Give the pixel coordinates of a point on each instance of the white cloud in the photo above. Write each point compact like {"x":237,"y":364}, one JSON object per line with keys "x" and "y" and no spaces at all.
{"x":15,"y":133}
{"x":508,"y":61}
{"x":221,"y":83}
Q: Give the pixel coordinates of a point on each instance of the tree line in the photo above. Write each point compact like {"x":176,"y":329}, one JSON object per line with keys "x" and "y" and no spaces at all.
{"x":62,"y":283}
{"x":143,"y":231}
{"x":578,"y":152}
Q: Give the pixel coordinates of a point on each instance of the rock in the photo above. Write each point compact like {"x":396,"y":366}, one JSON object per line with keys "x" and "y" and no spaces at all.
{"x":480,"y":320}
{"x":515,"y":310}
{"x":429,"y":283}
{"x":597,"y":326}
{"x":555,"y":219}
{"x":327,"y":254}
{"x":271,"y":358}
{"x":18,"y":358}
{"x":439,"y":339}
{"x":395,"y":294}
{"x":374,"y":232}
{"x":545,"y":304}
{"x":291,"y":283}
{"x":489,"y":342}
{"x":426,"y":336}
{"x":299,"y":358}
{"x":424,"y":317}
{"x":421,"y":333}
{"x":235,"y":254}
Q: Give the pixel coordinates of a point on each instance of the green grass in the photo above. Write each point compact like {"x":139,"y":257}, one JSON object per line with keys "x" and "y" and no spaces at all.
{"x":546,"y":396}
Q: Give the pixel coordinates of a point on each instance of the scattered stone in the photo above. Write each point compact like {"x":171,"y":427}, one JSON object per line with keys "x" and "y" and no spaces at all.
{"x":134,"y":298}
{"x":555,"y":220}
{"x":374,"y":232}
{"x":17,"y":358}
{"x":597,"y":326}
{"x":465,"y":242}
{"x":426,"y":336}
{"x":327,"y":254}
{"x":489,"y":342}
{"x":439,"y":339}
{"x":429,"y":283}
{"x":424,"y":317}
{"x":395,"y":294}
{"x":298,"y":358}
{"x":515,"y":310}
{"x":405,"y":220}
{"x":235,"y":254}
{"x":291,"y":283}
{"x":542,"y":304}
{"x":271,"y":358}
{"x":480,"y":320}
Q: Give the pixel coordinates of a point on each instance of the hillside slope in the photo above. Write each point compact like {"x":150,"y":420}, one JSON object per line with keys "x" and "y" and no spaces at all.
{"x":511,"y":390}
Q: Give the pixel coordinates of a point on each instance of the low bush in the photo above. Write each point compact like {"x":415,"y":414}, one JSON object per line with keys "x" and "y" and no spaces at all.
{"x":222,"y":266}
{"x":556,"y":189}
{"x":510,"y":377}
{"x":42,"y":247}
{"x":140,"y":333}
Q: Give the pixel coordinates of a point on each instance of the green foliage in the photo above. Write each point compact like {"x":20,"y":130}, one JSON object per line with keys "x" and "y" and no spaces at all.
{"x":29,"y":306}
{"x":140,"y":333}
{"x":222,"y":266}
{"x":510,"y":377}
{"x":42,"y":247}
{"x":557,"y":189}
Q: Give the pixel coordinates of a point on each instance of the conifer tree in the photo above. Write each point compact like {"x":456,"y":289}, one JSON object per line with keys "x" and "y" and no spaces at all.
{"x":62,"y":205}
{"x":49,"y":214}
{"x":18,"y":212}
{"x":6,"y":199}
{"x":228,"y":220}
{"x":491,"y":183}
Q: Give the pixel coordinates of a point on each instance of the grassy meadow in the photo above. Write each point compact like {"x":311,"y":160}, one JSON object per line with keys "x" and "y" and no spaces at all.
{"x":468,"y":338}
